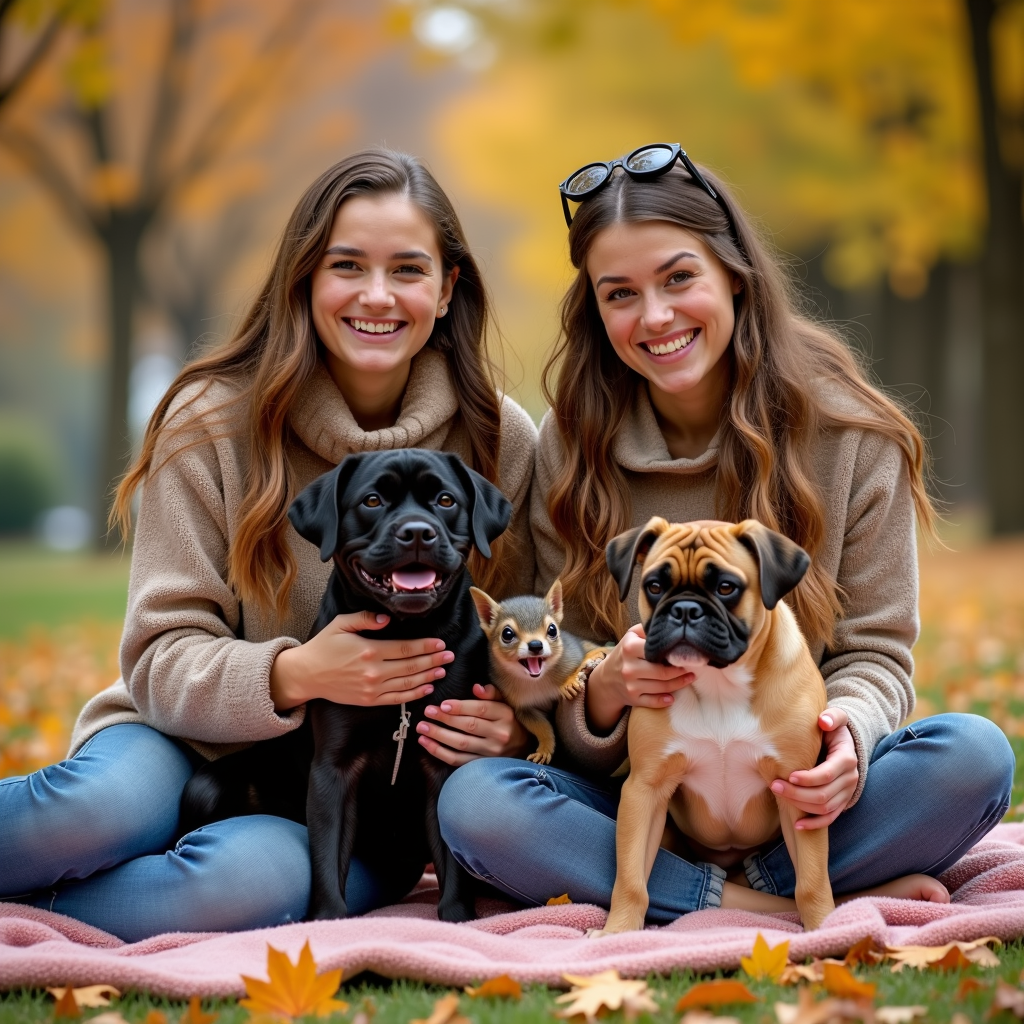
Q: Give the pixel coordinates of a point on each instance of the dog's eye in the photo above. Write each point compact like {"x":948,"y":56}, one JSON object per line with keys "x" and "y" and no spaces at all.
{"x":446,"y":500}
{"x":726,"y":589}
{"x":653,"y":587}
{"x":552,"y":631}
{"x":507,"y":635}
{"x":372,"y":501}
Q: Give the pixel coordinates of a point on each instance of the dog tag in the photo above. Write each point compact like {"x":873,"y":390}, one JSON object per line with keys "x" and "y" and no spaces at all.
{"x":399,"y":736}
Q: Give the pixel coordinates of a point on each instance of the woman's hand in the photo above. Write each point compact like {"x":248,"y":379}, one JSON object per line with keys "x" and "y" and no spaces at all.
{"x":625,"y":678}
{"x":823,"y":792}
{"x":472,"y":728}
{"x":341,"y":666}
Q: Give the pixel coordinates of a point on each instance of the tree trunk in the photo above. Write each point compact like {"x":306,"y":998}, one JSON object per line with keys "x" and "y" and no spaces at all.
{"x":121,"y":237}
{"x":1002,"y":299}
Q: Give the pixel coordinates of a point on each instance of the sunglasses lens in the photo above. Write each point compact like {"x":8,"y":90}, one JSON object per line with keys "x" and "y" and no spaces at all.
{"x":586,"y":180}
{"x":651,"y":158}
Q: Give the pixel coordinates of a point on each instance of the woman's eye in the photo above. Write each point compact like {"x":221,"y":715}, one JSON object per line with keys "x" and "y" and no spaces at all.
{"x":680,"y":277}
{"x":409,"y":269}
{"x":446,"y":501}
{"x":343,"y":265}
{"x":726,"y":589}
{"x":552,"y":631}
{"x":653,"y":587}
{"x":507,"y":636}
{"x":372,"y":501}
{"x":618,"y":293}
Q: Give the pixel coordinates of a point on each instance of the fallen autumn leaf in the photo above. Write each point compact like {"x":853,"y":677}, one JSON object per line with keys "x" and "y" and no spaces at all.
{"x":293,"y":990}
{"x":720,"y":992}
{"x":605,"y":991}
{"x":766,"y":961}
{"x":502,"y":987}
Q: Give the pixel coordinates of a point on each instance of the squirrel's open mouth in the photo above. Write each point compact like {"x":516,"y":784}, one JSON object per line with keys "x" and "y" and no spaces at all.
{"x":534,"y":666}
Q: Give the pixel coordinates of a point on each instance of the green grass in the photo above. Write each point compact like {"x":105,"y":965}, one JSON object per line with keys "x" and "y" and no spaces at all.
{"x":403,"y":1001}
{"x":47,"y":588}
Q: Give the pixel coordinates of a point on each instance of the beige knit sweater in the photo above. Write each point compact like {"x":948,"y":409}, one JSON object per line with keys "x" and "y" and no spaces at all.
{"x":195,"y":664}
{"x":870,"y":548}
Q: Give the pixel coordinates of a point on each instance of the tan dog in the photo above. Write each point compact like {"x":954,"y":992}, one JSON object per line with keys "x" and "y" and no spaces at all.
{"x":710,"y":600}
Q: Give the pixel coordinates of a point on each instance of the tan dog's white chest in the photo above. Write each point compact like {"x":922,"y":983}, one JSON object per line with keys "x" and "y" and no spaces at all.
{"x":722,"y":740}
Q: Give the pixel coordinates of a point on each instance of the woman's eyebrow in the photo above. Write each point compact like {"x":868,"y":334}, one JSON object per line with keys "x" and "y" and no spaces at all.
{"x":344,"y":250}
{"x":607,"y":279}
{"x":675,"y":259}
{"x":412,"y":254}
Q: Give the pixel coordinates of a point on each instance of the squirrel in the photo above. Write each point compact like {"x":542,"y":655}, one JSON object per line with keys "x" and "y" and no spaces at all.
{"x":533,"y":662}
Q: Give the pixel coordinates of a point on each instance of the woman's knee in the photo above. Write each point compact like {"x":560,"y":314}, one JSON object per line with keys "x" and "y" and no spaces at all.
{"x":476,"y":801}
{"x":975,"y":750}
{"x":242,"y":873}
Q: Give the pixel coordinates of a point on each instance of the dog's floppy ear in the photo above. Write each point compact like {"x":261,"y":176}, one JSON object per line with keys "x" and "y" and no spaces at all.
{"x":490,"y":510}
{"x":314,"y":513}
{"x":781,"y":563}
{"x":629,"y":548}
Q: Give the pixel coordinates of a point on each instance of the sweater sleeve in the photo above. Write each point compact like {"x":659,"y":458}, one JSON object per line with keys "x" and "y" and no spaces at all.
{"x":515,"y":475}
{"x":868,"y":667}
{"x":187,"y":667}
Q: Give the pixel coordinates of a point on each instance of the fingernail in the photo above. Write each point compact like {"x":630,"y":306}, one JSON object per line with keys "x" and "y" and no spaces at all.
{"x":430,"y":710}
{"x":427,"y":690}
{"x":422,"y":727}
{"x":666,"y":698}
{"x":439,"y":673}
{"x":778,"y":787}
{"x":382,"y":618}
{"x":827,"y":719}
{"x":447,"y":657}
{"x":446,"y":707}
{"x":439,"y":646}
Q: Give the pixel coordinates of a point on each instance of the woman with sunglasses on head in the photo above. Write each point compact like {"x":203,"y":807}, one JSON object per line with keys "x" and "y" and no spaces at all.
{"x":368,"y":335}
{"x":687,"y":384}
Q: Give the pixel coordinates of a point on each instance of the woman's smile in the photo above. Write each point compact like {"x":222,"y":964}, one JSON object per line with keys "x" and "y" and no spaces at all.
{"x":363,"y":327}
{"x":672,"y":347}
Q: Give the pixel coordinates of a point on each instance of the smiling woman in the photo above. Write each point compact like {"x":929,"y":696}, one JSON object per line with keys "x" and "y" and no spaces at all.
{"x":368,"y":335}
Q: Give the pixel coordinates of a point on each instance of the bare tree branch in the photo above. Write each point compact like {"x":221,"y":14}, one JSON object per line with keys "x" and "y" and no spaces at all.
{"x":251,"y":84}
{"x":167,"y":107}
{"x":34,"y":57}
{"x":47,"y":169}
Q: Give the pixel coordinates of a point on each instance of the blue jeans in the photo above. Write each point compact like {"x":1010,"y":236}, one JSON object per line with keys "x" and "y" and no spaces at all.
{"x":933,"y":790}
{"x":94,"y":837}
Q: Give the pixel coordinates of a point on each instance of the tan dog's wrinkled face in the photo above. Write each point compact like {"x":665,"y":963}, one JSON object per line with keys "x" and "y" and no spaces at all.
{"x":705,"y":585}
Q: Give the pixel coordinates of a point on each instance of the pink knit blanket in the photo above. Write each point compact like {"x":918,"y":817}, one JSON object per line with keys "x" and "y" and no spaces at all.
{"x":38,"y":948}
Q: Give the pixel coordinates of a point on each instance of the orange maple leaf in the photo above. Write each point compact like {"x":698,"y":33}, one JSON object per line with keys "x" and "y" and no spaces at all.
{"x":194,"y":1014}
{"x":557,"y":901}
{"x":867,"y":951}
{"x":715,"y":993}
{"x":293,"y":990}
{"x":840,"y":982}
{"x":155,"y":1017}
{"x":503,"y":986}
{"x":67,"y":1005}
{"x":966,"y":987}
{"x":766,"y":961}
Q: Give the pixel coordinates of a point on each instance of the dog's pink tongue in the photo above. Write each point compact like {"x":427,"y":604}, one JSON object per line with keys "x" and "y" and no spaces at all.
{"x":534,"y":666}
{"x":413,"y":579}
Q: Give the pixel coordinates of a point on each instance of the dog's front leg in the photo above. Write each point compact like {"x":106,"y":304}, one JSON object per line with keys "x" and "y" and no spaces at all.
{"x":457,"y":900}
{"x":639,"y":828}
{"x":808,"y":850}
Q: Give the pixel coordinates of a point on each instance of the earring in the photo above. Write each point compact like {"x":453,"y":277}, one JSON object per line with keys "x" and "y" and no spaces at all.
{"x":442,"y":311}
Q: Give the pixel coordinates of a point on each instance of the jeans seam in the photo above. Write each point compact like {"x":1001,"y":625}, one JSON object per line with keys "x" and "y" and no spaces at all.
{"x":711,"y":892}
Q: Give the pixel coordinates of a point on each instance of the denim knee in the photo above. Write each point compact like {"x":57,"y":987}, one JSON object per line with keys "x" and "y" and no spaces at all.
{"x":979,"y":755}
{"x":473,"y":804}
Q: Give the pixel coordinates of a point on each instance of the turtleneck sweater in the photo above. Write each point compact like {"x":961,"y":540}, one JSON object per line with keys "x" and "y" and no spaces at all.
{"x":195,"y":663}
{"x":869,"y":549}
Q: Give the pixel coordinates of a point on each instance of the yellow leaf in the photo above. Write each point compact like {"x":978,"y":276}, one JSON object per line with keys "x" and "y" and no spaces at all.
{"x":557,"y":901}
{"x":605,"y":991}
{"x":293,"y":990}
{"x":867,"y":951}
{"x":445,"y":1012}
{"x":90,"y":995}
{"x":840,"y":982}
{"x":67,"y":1006}
{"x":715,"y":993}
{"x":765,"y":961}
{"x":952,"y":955}
{"x":503,"y":986}
{"x":194,"y":1014}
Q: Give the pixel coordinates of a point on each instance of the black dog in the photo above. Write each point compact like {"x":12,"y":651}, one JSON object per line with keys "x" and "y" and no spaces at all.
{"x":400,"y":526}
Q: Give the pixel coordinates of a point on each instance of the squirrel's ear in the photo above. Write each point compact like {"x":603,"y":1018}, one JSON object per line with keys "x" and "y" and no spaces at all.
{"x":554,"y":600}
{"x":486,"y":608}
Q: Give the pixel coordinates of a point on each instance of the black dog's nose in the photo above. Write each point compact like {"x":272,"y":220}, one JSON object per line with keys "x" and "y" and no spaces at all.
{"x":535,"y":646}
{"x":416,"y":532}
{"x":687,"y":611}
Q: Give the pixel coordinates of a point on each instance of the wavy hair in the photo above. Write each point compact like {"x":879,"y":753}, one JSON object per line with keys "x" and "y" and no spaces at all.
{"x":275,"y":350}
{"x":769,"y":424}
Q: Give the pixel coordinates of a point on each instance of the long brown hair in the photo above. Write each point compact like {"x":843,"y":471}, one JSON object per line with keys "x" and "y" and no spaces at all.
{"x":769,"y":425}
{"x":274,"y":352}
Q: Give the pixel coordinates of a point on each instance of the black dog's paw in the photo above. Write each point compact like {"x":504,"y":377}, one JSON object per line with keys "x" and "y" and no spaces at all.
{"x":201,"y":802}
{"x":326,"y":908}
{"x":456,"y":911}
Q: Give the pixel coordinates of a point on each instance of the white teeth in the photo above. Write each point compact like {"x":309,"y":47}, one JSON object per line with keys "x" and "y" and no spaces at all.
{"x":672,"y":346}
{"x":374,"y":327}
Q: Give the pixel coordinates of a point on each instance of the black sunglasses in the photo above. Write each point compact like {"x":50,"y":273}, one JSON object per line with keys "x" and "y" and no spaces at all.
{"x":643,"y":164}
